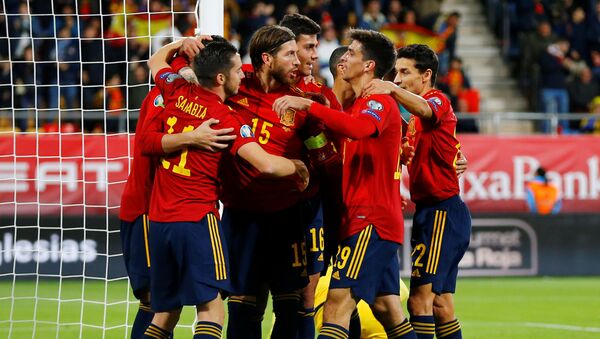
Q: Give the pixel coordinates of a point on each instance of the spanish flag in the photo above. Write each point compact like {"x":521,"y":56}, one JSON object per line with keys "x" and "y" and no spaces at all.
{"x":403,"y":35}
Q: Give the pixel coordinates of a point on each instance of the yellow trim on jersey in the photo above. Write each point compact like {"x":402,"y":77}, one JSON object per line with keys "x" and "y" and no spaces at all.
{"x":146,"y":229}
{"x":435,"y":246}
{"x":217,"y":248}
{"x":359,"y":252}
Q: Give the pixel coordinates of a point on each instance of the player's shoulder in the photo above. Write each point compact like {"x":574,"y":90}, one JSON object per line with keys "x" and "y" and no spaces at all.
{"x":437,"y":97}
{"x":380,"y":102}
{"x":312,"y":86}
{"x":154,"y":99}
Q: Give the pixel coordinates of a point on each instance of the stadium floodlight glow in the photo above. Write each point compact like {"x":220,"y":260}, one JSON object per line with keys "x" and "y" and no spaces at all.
{"x":207,"y":19}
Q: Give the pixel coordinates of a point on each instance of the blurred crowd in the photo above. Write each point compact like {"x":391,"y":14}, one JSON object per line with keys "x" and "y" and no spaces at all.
{"x":555,"y":47}
{"x":82,"y":62}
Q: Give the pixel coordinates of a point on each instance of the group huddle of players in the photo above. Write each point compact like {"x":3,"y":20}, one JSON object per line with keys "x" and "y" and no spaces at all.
{"x":309,"y":178}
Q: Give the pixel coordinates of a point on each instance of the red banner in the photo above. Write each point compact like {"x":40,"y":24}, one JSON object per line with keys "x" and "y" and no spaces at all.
{"x":58,"y":173}
{"x":75,"y":174}
{"x":500,"y":166}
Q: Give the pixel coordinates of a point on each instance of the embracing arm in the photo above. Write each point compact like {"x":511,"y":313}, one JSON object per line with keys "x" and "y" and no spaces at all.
{"x":337,"y":121}
{"x":413,"y":103}
{"x":273,"y":165}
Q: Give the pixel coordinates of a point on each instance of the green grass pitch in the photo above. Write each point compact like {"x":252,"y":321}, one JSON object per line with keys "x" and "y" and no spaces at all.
{"x":487,"y":308}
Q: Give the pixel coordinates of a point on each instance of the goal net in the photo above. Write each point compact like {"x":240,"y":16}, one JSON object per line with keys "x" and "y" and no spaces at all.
{"x":72,"y":77}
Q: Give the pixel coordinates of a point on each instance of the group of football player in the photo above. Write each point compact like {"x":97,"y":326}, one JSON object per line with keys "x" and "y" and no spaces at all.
{"x":309,"y":178}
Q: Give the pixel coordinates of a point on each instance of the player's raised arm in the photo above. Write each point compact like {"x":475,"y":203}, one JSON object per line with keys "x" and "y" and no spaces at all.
{"x":165,"y":54}
{"x":162,"y":57}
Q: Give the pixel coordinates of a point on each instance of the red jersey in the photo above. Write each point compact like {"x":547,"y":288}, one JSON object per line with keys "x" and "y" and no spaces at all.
{"x":432,"y":171}
{"x":185,"y":187}
{"x":243,"y":186}
{"x":135,"y":199}
{"x":372,"y":171}
{"x":136,"y":195}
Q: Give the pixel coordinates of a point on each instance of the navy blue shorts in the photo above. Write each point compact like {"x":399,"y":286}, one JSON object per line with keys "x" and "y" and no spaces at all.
{"x":266,"y":250}
{"x":440,"y":237}
{"x":368,"y":265}
{"x":190,"y":263}
{"x":134,"y":242}
{"x":314,"y":236}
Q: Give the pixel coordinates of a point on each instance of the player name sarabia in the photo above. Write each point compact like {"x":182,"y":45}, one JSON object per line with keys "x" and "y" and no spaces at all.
{"x":191,"y":107}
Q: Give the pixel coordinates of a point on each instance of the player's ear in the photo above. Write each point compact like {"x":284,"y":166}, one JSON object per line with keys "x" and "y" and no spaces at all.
{"x":266,"y":58}
{"x":427,"y":76}
{"x":369,"y":65}
{"x":221,"y":79}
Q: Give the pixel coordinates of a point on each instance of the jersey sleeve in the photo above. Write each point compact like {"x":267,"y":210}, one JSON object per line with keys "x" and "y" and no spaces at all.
{"x":178,"y":63}
{"x":376,"y":109}
{"x":167,"y":81}
{"x":242,"y":131}
{"x":439,"y":105}
{"x":341,"y":123}
{"x":150,"y":137}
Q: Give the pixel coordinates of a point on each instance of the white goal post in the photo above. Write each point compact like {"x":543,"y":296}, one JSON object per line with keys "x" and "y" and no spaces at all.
{"x":71,"y":75}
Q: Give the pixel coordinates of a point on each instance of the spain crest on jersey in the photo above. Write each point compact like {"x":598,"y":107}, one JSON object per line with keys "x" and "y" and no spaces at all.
{"x":412,"y":129}
{"x":288,"y":118}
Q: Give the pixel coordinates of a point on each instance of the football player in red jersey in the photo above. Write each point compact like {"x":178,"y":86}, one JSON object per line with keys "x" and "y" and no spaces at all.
{"x":366,"y":266}
{"x":189,"y":261}
{"x":324,"y":191}
{"x":136,"y":195}
{"x":442,"y":222}
{"x":265,"y":220}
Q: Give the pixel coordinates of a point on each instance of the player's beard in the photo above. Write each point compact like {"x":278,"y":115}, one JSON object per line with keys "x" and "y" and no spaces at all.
{"x":230,"y":88}
{"x":280,"y":75}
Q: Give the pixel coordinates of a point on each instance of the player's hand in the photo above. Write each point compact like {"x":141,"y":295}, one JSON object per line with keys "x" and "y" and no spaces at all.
{"x":461,"y":163}
{"x":302,"y":173}
{"x":408,"y":152}
{"x":377,"y":86}
{"x":289,"y":101}
{"x":403,"y":202}
{"x":207,"y":138}
{"x":309,"y":78}
{"x":188,"y":74}
{"x":192,"y":46}
{"x":318,"y":97}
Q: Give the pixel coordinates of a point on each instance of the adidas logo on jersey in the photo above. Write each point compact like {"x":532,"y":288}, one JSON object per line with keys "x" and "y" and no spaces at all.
{"x":416,"y":273}
{"x":336,"y":275}
{"x":243,"y":102}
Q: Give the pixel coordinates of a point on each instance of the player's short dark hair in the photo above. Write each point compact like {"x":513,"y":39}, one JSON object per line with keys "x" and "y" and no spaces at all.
{"x":335,"y":57}
{"x":300,"y":24}
{"x":268,"y":39}
{"x":424,"y":57}
{"x":376,"y":47}
{"x":215,"y":58}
